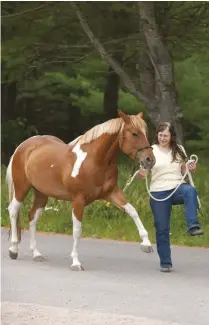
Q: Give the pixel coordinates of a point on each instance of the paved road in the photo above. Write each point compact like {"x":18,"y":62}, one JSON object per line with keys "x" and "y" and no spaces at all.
{"x":120,"y":285}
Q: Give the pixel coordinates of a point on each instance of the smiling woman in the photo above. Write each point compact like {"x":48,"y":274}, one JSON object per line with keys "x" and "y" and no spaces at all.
{"x":164,"y":138}
{"x":166,"y":176}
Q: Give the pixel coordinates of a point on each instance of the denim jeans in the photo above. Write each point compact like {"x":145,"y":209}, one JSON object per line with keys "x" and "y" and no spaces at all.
{"x":187,"y":195}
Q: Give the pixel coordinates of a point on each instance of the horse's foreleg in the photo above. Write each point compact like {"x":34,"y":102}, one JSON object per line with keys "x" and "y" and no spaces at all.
{"x":14,"y":208}
{"x":40,"y":201}
{"x":146,"y":245}
{"x":118,"y":198}
{"x":77,"y":213}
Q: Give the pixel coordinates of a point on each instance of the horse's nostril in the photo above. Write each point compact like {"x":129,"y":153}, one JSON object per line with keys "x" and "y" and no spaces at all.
{"x":148,"y":159}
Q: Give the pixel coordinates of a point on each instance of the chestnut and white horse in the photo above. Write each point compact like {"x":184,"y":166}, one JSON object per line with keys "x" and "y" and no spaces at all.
{"x":83,"y":171}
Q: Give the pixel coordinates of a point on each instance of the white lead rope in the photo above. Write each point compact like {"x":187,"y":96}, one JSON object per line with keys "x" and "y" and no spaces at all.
{"x":187,"y":172}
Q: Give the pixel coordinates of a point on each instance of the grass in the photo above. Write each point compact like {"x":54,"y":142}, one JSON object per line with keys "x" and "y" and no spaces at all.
{"x":101,"y":221}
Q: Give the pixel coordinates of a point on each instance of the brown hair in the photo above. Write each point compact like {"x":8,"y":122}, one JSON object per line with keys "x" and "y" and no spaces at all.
{"x":176,"y":149}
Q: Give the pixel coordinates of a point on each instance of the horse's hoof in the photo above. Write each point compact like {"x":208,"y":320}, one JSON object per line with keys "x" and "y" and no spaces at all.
{"x":38,"y":258}
{"x":13,"y":255}
{"x":75,"y":267}
{"x":146,"y":249}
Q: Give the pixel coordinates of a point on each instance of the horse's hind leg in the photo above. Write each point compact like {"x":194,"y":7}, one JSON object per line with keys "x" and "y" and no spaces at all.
{"x":39,"y":203}
{"x":77,"y":213}
{"x":14,"y":208}
{"x":21,"y":188}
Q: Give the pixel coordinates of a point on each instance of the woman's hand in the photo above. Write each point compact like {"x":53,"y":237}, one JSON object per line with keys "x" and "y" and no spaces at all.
{"x":192,"y":166}
{"x":142,"y":173}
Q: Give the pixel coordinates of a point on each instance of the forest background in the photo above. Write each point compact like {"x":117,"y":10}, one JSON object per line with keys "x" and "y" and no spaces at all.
{"x":68,"y":66}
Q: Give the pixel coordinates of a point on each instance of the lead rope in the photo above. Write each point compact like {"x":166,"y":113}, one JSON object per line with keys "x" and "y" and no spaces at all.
{"x":187,"y":173}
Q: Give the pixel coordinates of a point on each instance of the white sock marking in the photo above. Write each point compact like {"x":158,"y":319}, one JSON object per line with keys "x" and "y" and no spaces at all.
{"x":142,"y":231}
{"x":33,"y":232}
{"x":81,"y":155}
{"x":77,"y":229}
{"x":13,"y":209}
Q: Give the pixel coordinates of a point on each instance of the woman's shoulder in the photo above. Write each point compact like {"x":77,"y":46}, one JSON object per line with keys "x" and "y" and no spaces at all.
{"x":154,"y":146}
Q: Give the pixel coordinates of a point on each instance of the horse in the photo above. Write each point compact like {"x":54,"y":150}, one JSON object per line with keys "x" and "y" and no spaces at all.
{"x":81,"y":171}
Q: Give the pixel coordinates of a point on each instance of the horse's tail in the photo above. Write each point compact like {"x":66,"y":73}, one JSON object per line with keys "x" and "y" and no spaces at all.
{"x":9,"y":180}
{"x":11,"y":192}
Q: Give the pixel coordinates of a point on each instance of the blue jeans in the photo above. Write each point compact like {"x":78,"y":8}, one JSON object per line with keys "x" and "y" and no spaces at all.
{"x":187,"y":195}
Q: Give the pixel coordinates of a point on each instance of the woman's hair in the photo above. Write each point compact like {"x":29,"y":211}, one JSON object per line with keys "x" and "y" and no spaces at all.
{"x":176,"y":149}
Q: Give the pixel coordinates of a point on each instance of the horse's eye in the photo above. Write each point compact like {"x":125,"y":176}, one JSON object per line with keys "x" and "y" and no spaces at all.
{"x":134,"y":134}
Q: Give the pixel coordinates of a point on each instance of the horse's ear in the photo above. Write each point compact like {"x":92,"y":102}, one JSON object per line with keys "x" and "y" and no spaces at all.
{"x":125,"y":117}
{"x":140,"y":114}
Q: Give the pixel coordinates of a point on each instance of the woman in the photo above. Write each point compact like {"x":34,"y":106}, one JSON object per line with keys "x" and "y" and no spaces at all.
{"x":166,"y":175}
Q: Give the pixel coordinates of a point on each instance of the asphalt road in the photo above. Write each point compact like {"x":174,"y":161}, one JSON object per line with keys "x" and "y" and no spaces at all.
{"x":120,"y":285}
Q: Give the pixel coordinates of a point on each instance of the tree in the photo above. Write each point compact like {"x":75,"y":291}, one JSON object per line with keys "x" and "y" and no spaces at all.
{"x":162,"y":101}
{"x":58,"y":79}
{"x":166,"y":103}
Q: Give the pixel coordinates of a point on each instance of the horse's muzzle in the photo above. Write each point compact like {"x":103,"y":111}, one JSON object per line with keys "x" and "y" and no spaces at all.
{"x":148,"y":162}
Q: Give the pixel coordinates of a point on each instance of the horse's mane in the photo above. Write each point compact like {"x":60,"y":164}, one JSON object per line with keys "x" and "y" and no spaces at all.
{"x":109,"y":127}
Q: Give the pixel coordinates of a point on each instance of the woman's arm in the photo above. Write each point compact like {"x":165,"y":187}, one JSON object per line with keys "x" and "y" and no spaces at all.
{"x":183,"y":169}
{"x":191,"y":165}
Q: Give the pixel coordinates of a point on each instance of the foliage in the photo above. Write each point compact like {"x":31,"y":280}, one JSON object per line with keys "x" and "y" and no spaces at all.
{"x":184,"y":26}
{"x":193,"y":84}
{"x":13,"y":133}
{"x":61,"y":80}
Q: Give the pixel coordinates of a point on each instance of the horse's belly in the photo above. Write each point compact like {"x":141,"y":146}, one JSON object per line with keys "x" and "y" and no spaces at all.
{"x":52,"y":189}
{"x":48,"y":182}
{"x":107,"y":188}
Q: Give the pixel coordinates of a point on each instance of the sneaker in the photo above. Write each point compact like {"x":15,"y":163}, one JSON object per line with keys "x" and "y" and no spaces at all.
{"x":165,"y":269}
{"x":195,"y":231}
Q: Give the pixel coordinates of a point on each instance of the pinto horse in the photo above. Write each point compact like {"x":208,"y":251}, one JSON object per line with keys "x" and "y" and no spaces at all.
{"x":82,"y":171}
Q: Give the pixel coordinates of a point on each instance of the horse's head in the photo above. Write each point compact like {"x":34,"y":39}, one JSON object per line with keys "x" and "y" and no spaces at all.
{"x":133,"y":141}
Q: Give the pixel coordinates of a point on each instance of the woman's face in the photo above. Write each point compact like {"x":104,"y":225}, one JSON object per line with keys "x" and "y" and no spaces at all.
{"x":164,"y":138}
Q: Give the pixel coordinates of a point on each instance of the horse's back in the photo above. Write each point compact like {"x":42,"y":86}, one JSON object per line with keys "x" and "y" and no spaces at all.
{"x":38,"y":140}
{"x":32,"y":145}
{"x":41,"y":161}
{"x":35,"y":144}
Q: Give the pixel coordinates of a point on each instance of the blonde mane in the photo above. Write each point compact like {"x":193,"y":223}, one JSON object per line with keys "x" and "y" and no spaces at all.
{"x":139,"y":123}
{"x":110,"y":127}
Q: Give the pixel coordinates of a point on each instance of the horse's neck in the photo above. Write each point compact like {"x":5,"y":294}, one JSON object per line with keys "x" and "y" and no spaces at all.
{"x":112,"y":153}
{"x":106,"y":147}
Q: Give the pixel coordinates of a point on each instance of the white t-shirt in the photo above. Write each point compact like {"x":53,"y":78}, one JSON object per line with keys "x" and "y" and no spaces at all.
{"x":166,"y":174}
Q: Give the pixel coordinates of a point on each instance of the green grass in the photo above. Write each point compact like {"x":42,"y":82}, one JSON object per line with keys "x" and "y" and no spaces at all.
{"x":101,"y":221}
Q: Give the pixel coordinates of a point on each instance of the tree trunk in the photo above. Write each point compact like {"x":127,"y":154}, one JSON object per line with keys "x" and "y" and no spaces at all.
{"x":111,"y":94}
{"x":107,"y":57}
{"x":8,"y":100}
{"x":147,"y":78}
{"x":167,"y":107}
{"x":164,"y":105}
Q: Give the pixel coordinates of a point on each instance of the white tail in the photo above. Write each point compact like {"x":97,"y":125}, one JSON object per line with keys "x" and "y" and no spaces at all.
{"x":9,"y":180}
